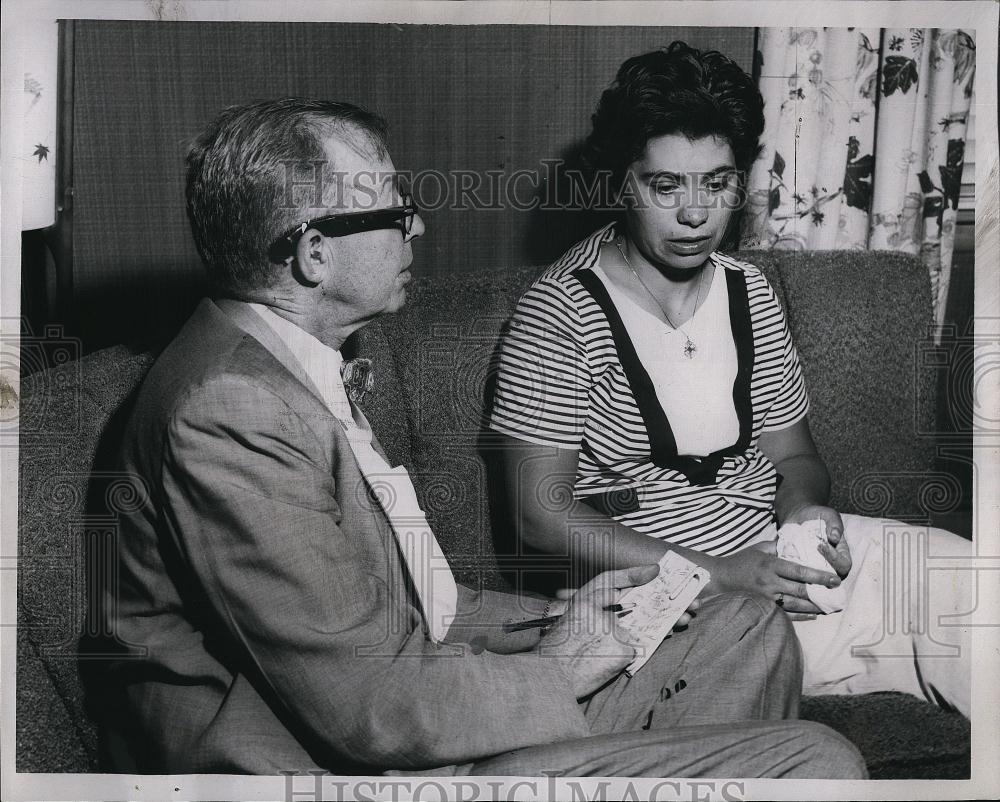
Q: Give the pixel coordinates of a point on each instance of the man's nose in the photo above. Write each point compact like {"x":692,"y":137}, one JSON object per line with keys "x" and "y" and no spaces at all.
{"x":417,"y":228}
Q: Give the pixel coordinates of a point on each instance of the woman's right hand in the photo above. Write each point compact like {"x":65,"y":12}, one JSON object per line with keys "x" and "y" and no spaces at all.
{"x":759,"y":570}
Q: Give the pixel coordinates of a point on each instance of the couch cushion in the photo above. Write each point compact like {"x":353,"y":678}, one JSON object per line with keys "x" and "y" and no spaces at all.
{"x":51,"y":736}
{"x":900,"y":736}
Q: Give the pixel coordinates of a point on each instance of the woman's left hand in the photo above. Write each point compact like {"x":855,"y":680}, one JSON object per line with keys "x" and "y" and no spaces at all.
{"x":836,"y":550}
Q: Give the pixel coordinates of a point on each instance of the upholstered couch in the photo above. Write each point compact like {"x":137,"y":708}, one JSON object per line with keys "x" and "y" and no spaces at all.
{"x":861,"y":324}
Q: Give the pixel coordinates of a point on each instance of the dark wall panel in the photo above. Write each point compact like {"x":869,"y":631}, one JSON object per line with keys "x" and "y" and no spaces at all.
{"x":468,"y":98}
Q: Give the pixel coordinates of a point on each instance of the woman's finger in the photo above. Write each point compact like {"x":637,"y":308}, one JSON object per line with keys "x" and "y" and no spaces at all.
{"x":839,"y":559}
{"x":834,"y":525}
{"x":801,"y":573}
{"x":793,"y":597}
{"x":793,"y":604}
{"x":790,"y":589}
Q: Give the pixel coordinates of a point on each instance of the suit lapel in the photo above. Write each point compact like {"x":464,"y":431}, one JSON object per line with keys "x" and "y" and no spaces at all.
{"x":243,"y":316}
{"x":250,"y":322}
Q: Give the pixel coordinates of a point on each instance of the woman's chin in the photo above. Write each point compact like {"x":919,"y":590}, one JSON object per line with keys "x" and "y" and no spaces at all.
{"x":679,"y":268}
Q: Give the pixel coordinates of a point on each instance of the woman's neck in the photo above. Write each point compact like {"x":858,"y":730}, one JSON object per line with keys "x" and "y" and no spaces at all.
{"x":652,"y":289}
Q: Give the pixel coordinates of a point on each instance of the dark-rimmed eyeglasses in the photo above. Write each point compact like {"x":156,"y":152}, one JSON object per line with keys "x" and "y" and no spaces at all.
{"x":341,"y":225}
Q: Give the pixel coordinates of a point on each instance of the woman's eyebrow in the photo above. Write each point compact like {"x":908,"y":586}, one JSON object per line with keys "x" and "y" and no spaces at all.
{"x":651,"y":174}
{"x":724,"y":168}
{"x":679,"y":177}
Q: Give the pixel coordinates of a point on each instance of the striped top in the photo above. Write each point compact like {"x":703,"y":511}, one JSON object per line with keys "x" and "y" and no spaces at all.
{"x":569,"y":377}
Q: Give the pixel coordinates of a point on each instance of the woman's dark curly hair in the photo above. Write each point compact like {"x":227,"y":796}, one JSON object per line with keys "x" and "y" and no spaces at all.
{"x":674,"y":90}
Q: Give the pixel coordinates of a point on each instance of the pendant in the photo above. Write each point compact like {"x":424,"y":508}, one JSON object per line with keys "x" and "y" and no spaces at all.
{"x":690,"y":349}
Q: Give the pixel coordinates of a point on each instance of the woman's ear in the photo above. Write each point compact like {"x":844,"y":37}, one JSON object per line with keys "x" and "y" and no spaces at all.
{"x":311,"y":257}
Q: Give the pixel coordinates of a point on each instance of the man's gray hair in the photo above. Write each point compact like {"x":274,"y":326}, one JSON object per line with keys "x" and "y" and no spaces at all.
{"x":237,"y":180}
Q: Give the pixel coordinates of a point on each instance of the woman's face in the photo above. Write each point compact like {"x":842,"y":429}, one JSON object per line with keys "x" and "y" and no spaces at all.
{"x":678,"y":197}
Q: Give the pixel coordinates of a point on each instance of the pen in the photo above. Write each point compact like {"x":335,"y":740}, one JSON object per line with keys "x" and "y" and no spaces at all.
{"x":621,"y":609}
{"x":532,"y":624}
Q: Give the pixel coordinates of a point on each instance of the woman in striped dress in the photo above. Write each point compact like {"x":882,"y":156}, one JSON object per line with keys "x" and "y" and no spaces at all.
{"x":657,"y":378}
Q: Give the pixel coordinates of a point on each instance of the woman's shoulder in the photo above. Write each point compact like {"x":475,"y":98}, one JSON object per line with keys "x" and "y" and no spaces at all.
{"x":584,"y":255}
{"x":756,"y":280}
{"x":561,"y":278}
{"x":555,"y":296}
{"x":732,"y":263}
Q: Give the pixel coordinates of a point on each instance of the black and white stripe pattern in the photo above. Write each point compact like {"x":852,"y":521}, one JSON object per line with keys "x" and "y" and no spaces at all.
{"x":562,"y":382}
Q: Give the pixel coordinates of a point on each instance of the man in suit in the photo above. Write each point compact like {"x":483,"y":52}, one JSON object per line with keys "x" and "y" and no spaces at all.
{"x":284,"y":614}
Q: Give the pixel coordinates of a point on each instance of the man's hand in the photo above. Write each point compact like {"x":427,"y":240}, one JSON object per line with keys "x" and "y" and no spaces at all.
{"x":588,"y":643}
{"x":757,"y":569}
{"x":837,"y":552}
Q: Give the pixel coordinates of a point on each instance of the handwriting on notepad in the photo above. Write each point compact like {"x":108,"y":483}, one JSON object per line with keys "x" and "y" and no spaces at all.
{"x":658,"y":605}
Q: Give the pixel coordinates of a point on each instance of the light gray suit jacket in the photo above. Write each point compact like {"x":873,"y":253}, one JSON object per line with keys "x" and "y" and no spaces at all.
{"x":265,"y":596}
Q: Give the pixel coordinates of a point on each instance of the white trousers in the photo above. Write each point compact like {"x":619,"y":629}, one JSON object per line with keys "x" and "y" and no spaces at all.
{"x":905,"y":624}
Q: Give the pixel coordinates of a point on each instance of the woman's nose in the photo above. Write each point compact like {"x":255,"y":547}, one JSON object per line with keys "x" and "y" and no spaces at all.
{"x":693,"y":212}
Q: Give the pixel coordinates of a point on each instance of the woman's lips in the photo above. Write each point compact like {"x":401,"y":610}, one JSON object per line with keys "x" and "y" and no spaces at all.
{"x":685,"y":246}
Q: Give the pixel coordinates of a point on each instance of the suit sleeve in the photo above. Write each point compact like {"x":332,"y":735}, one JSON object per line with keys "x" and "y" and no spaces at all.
{"x":252,"y":503}
{"x":482,"y":614}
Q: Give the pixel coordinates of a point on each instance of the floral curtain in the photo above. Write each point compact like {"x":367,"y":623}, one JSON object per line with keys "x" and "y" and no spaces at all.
{"x":864,"y":139}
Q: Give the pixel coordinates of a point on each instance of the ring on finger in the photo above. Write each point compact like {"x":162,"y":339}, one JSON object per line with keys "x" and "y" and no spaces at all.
{"x":780,"y":601}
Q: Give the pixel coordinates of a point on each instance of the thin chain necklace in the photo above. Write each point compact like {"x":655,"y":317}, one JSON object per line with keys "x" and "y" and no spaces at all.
{"x":690,"y":349}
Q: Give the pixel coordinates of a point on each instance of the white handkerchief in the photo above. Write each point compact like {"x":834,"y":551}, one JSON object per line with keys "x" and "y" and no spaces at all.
{"x":797,"y":543}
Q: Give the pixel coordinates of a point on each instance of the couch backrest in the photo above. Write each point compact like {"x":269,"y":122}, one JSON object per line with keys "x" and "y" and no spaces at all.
{"x":860,"y":321}
{"x":67,"y":503}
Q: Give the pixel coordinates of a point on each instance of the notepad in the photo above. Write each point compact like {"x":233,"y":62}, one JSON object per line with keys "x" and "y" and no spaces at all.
{"x":658,"y":605}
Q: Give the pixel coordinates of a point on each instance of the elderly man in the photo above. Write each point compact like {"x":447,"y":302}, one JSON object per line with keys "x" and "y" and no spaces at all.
{"x":284,"y":618}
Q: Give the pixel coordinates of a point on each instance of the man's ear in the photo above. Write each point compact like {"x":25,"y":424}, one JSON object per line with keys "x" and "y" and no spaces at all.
{"x":311,"y":257}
